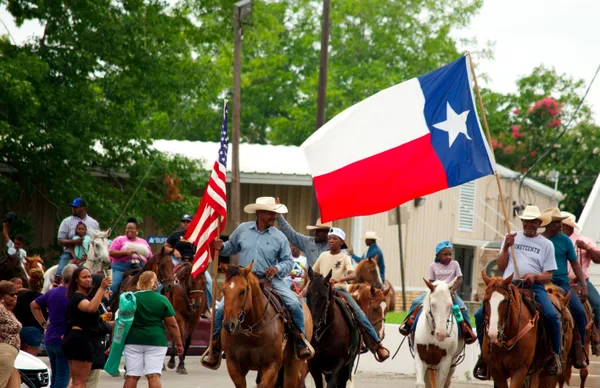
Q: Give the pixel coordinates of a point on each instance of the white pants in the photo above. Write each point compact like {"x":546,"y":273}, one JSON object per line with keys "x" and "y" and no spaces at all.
{"x":142,"y":360}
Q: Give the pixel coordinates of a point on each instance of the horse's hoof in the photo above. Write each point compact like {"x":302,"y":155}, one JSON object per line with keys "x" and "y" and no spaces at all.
{"x":171,"y":364}
{"x":181,"y":371}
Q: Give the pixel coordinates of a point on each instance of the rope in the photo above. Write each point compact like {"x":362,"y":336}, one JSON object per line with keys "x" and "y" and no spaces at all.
{"x":565,"y":129}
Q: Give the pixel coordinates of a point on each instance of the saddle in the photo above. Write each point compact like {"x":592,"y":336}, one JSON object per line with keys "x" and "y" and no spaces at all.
{"x":277,"y":302}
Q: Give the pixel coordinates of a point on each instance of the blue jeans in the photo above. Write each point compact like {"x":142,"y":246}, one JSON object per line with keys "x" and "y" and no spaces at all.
{"x":594,"y":298}
{"x":119,"y":268}
{"x":418,"y":301}
{"x":576,"y":308}
{"x":209,"y":289}
{"x":63,"y":261}
{"x":289,"y":298}
{"x":551,"y":317}
{"x":59,"y":366}
{"x":360,"y":315}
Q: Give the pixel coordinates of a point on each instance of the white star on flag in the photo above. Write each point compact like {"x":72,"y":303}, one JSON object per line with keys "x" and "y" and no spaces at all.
{"x":455,"y":124}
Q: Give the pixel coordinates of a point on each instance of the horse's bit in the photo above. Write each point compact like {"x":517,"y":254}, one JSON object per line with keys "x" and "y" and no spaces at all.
{"x":431,"y":321}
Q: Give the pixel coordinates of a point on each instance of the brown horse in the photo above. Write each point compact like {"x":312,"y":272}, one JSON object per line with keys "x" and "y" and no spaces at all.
{"x":10,"y":267}
{"x":367,"y":271}
{"x":160,"y":263}
{"x":34,"y":262}
{"x":561,"y":302}
{"x":372,"y":302}
{"x":568,"y":366}
{"x":331,"y":339}
{"x":254,"y":334}
{"x":511,"y":334}
{"x":189,"y":302}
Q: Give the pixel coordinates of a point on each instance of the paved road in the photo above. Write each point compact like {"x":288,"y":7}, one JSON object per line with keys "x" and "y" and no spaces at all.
{"x":202,"y":377}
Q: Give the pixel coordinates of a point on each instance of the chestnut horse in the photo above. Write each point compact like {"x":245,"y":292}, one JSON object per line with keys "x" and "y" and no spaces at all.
{"x":254,"y":334}
{"x":34,"y":262}
{"x":511,"y":333}
{"x":189,"y":302}
{"x":367,"y":271}
{"x":372,"y":302}
{"x":332,"y":335}
{"x":559,"y":300}
{"x":565,"y":378}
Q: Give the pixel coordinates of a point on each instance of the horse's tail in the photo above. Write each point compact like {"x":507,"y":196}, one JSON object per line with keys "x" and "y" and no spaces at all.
{"x":392,"y":306}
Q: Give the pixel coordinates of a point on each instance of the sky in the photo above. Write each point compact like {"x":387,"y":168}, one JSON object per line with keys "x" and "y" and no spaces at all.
{"x":562,"y":34}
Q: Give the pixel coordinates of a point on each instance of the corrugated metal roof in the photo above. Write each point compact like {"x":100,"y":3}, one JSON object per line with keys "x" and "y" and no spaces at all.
{"x":286,"y":164}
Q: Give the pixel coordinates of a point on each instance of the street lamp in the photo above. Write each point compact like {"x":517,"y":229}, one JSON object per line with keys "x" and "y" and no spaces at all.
{"x":241,"y":13}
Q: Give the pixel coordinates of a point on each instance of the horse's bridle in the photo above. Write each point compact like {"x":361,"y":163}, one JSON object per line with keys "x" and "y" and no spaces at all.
{"x":318,"y":333}
{"x":190,"y":297}
{"x":431,"y":320}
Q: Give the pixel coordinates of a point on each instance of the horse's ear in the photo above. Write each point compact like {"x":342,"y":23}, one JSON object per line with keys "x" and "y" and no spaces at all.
{"x":568,"y":297}
{"x":328,"y":277}
{"x":485,"y":278}
{"x":451,"y":284}
{"x":376,"y":257}
{"x":387,"y":291}
{"x":508,"y":280}
{"x":248,"y":269}
{"x":372,"y":291}
{"x":311,"y":273}
{"x":430,"y":285}
{"x":224,"y":268}
{"x":108,"y":232}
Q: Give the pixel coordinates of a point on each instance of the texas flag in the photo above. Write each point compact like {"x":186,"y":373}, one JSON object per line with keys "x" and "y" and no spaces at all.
{"x":410,"y":140}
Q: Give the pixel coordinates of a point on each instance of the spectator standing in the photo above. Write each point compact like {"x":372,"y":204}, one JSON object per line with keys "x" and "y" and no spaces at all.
{"x":32,"y":332}
{"x":9,"y":335}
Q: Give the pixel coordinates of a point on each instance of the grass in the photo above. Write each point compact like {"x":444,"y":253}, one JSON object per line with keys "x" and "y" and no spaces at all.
{"x":397,"y":317}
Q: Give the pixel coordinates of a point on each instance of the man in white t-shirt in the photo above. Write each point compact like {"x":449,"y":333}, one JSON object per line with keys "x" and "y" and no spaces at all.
{"x":19,"y":241}
{"x":536,"y":264}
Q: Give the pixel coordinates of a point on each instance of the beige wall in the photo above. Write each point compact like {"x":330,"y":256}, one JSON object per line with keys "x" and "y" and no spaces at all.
{"x":437,"y":220}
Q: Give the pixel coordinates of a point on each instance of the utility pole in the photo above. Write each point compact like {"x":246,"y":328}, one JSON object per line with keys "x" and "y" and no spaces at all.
{"x":241,"y":12}
{"x":321,"y":98}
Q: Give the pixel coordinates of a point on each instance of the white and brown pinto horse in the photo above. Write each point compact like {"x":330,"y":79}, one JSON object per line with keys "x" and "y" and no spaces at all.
{"x":97,"y":258}
{"x":436,"y":342}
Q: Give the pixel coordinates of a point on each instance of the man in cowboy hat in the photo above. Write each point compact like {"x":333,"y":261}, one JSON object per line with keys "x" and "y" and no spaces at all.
{"x":536,"y":264}
{"x":587,"y":252}
{"x":260,"y":242}
{"x":312,"y":246}
{"x":373,"y":250}
{"x":564,"y":252}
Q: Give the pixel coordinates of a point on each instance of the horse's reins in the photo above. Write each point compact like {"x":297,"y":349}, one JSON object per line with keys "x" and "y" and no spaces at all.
{"x":323,"y":321}
{"x":178,"y":281}
{"x":253,"y":330}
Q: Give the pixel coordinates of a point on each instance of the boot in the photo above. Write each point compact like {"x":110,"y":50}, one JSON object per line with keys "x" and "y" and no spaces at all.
{"x":578,"y":357}
{"x":212,"y":360}
{"x":596,"y":348}
{"x":554,"y":365}
{"x":302,"y":350}
{"x":468,"y":334}
{"x":406,"y":327}
{"x":481,"y":370}
{"x":382,"y":354}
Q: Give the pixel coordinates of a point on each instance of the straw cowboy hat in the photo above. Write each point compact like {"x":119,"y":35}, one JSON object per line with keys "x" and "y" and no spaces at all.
{"x":554,"y":212}
{"x":533,"y":213}
{"x":370,"y":235}
{"x":570,"y":220}
{"x":319,"y":225}
{"x":267,"y":204}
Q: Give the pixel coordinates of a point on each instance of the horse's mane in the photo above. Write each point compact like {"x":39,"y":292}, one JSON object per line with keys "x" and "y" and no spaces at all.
{"x":232,"y":271}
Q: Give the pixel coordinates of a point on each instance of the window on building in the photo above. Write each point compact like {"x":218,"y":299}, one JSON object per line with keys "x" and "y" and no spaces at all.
{"x":466,"y":207}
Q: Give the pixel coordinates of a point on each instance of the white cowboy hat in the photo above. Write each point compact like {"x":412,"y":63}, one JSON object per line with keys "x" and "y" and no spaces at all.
{"x":533,"y":213}
{"x":554,"y":213}
{"x":319,"y":225}
{"x":570,"y":220}
{"x":370,"y":235}
{"x":267,"y":204}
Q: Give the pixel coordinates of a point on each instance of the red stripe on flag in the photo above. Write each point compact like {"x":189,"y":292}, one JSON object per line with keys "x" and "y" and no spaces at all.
{"x":394,"y":177}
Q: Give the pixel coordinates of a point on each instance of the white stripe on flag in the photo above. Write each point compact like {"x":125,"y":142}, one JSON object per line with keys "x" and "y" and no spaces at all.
{"x":218,"y":181}
{"x":218,"y":199}
{"x":205,"y":214}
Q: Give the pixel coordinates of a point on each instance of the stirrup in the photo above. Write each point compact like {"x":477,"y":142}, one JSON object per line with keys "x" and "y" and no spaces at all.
{"x":206,"y":355}
{"x":308,"y":346}
{"x":481,"y":364}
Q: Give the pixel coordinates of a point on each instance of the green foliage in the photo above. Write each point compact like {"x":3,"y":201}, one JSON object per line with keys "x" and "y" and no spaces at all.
{"x":526,"y":124}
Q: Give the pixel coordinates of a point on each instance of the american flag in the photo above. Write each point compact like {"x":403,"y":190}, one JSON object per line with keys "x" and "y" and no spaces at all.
{"x":203,"y":228}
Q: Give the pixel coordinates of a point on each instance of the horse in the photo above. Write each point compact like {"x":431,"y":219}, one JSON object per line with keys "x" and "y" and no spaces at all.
{"x":34,"y":262}
{"x":97,"y":260}
{"x":372,"y":302}
{"x":565,"y":378}
{"x":436,"y":339}
{"x":561,"y":301}
{"x":160,"y":263}
{"x":253,"y":335}
{"x":511,"y":334}
{"x":332,"y":335}
{"x":367,"y":271}
{"x":189,"y":302}
{"x":12,"y":267}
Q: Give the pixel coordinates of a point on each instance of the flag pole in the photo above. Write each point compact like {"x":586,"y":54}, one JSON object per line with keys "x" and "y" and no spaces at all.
{"x":489,"y":139}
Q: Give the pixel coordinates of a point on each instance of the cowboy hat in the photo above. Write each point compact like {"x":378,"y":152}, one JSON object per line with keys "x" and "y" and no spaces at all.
{"x":570,"y":220}
{"x":554,"y":212}
{"x":533,"y":213}
{"x":266,"y":204}
{"x":318,"y":225}
{"x":370,"y":235}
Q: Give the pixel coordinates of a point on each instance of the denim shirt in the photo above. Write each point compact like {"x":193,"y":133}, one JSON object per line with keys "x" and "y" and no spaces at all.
{"x":373,"y":250}
{"x":269,"y":248}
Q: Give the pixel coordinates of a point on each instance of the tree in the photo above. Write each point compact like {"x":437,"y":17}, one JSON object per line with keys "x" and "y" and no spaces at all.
{"x":85,"y":98}
{"x":526,"y":124}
